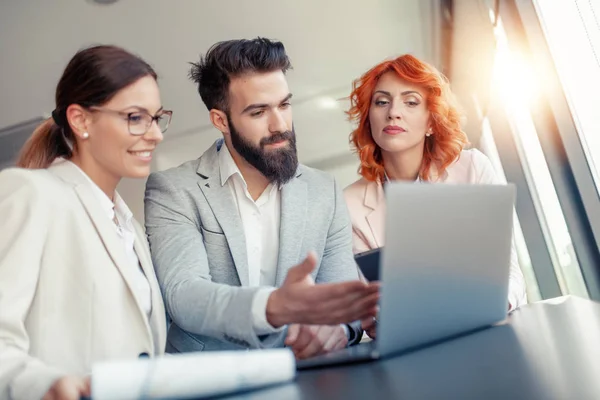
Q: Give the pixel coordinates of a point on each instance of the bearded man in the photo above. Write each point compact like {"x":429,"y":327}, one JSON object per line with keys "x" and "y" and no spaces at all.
{"x":251,"y":248}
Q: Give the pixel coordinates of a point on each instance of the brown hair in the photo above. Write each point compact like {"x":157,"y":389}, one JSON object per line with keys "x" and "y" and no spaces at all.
{"x":92,"y":77}
{"x":232,"y":58}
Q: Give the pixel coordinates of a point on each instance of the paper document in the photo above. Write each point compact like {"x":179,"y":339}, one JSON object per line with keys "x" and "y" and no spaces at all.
{"x":191,"y":375}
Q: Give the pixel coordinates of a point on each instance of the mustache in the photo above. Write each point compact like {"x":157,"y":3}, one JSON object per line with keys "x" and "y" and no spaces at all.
{"x":277,"y":137}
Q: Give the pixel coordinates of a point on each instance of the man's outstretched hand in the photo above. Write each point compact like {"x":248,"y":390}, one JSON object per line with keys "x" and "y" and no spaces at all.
{"x":300,"y":301}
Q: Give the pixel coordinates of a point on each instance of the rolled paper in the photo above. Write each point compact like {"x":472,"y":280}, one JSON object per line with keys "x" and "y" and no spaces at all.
{"x":192,"y":375}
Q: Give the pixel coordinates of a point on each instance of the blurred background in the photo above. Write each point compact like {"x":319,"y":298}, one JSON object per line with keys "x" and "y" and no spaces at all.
{"x":526,"y":73}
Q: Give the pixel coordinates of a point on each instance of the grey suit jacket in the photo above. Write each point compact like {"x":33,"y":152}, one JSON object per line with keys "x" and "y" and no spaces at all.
{"x":199,"y":252}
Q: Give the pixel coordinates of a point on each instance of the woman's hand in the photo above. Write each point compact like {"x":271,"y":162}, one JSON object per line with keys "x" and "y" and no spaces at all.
{"x":69,"y":388}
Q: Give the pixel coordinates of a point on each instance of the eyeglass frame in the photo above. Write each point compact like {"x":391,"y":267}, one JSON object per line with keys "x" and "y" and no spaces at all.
{"x":128,"y":115}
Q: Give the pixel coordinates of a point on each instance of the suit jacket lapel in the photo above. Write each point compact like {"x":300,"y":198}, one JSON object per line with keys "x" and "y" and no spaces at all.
{"x":375,"y":201}
{"x":291,"y":229}
{"x":105,"y":228}
{"x":110,"y":238}
{"x":222,"y":203}
{"x":158,"y":316}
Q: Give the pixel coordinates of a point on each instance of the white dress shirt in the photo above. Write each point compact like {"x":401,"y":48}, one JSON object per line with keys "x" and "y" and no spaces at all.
{"x":260,"y":220}
{"x":126,"y":233}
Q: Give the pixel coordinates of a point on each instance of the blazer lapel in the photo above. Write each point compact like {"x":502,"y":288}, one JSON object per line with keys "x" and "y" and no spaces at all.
{"x":105,"y":228}
{"x":291,"y":229}
{"x":222,"y":203}
{"x":158,"y":316}
{"x":110,"y":238}
{"x":375,"y":201}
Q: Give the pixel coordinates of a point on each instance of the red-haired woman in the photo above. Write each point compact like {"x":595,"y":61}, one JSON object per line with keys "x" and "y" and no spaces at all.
{"x":409,"y":129}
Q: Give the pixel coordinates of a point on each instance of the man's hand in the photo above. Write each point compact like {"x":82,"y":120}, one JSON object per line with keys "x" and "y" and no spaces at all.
{"x":369,"y":325}
{"x":69,"y":388}
{"x":311,"y":340}
{"x":300,"y":301}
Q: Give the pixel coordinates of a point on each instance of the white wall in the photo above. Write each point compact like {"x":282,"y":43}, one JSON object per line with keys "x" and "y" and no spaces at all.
{"x":330,"y":43}
{"x":344,"y":174}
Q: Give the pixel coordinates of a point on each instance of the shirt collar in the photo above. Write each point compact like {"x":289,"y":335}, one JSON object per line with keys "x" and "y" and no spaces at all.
{"x":229,"y":168}
{"x":386,"y":179}
{"x":123,"y":212}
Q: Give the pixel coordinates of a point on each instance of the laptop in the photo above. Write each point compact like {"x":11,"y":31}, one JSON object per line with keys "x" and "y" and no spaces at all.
{"x":444,"y":269}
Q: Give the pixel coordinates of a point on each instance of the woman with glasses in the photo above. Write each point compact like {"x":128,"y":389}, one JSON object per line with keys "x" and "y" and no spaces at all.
{"x":409,"y":130}
{"x":77,"y":284}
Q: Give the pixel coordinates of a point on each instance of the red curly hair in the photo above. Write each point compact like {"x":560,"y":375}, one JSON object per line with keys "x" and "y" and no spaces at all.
{"x":441,"y":149}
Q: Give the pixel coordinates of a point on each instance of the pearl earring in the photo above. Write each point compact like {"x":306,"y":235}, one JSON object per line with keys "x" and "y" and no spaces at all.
{"x":428,"y":133}
{"x":85,"y":135}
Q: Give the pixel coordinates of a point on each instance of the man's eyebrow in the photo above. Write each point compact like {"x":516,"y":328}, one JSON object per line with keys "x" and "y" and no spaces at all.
{"x":255,"y":106}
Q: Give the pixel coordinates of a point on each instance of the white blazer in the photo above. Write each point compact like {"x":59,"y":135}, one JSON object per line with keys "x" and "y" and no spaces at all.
{"x":366,"y":204}
{"x":66,"y":286}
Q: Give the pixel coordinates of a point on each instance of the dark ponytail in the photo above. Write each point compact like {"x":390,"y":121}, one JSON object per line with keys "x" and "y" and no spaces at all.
{"x":45,"y":144}
{"x":92,"y":77}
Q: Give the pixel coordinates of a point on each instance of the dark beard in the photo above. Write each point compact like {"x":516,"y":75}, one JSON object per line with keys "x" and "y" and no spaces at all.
{"x":279,"y":165}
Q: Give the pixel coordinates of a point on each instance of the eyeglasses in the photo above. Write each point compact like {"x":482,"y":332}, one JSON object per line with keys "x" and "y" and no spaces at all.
{"x":139,"y":122}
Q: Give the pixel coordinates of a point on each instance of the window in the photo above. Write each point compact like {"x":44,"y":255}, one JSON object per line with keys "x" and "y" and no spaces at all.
{"x":572,"y":30}
{"x":513,"y":82}
{"x":489,"y":148}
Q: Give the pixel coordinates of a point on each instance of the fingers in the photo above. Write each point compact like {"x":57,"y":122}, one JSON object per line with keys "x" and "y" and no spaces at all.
{"x":367,"y":323}
{"x":358,"y":310}
{"x":344,"y":292}
{"x":86,"y":389}
{"x":352,"y":299}
{"x":292,"y":334}
{"x":72,"y":389}
{"x":363,"y":308}
{"x":336,"y":341}
{"x":324,"y":339}
{"x":344,"y":310}
{"x":319,"y":338}
{"x":302,"y":296}
{"x":327,"y":304}
{"x":69,"y":388}
{"x":299,"y":272}
{"x":326,"y":291}
{"x":370,"y":326}
{"x":372,"y":332}
{"x":307,"y":337}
